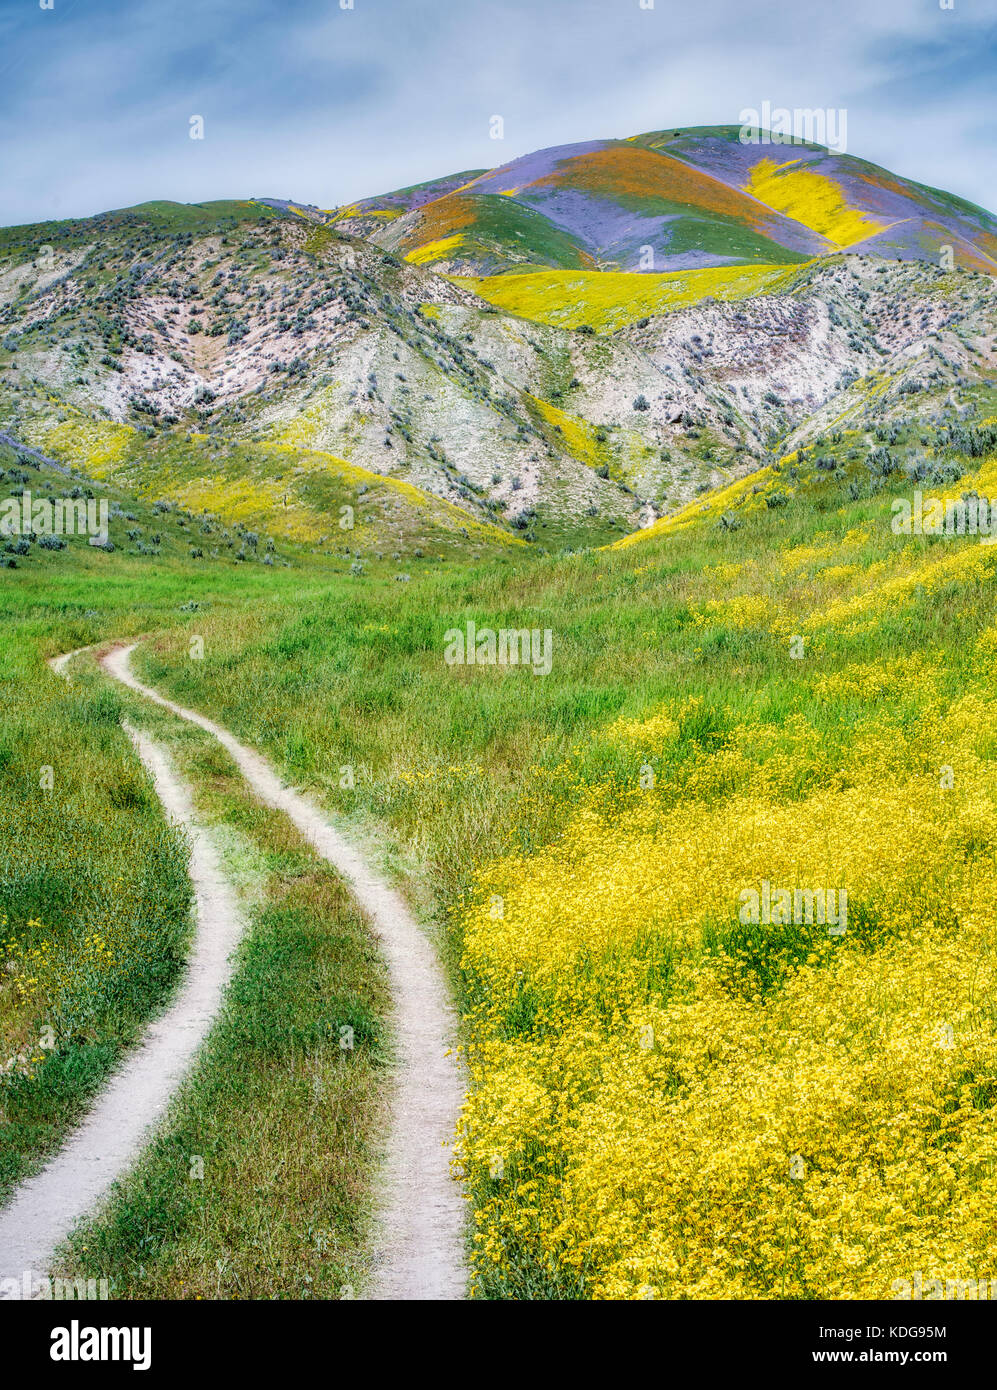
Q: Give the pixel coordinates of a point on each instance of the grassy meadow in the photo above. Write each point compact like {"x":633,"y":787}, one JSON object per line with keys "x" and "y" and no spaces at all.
{"x":94,"y":893}
{"x":667,"y":1101}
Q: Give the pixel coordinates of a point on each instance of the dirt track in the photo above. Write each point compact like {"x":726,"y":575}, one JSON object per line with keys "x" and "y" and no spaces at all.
{"x":45,"y":1209}
{"x":419,"y":1245}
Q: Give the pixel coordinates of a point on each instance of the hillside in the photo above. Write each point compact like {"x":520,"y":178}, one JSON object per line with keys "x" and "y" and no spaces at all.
{"x":692,"y":198}
{"x":666,"y":1100}
{"x":252,"y":362}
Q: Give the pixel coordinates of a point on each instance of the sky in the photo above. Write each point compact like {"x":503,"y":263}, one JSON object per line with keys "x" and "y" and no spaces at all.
{"x":323,"y":103}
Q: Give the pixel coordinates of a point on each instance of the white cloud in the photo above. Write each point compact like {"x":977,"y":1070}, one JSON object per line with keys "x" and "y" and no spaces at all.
{"x":331,"y":105}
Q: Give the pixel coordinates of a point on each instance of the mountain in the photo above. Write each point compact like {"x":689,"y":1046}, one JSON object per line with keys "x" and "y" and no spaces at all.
{"x":694,"y":198}
{"x":272,"y":363}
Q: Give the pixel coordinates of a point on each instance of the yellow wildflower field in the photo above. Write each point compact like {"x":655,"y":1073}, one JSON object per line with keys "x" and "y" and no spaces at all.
{"x":673,"y":1105}
{"x":673,"y":1099}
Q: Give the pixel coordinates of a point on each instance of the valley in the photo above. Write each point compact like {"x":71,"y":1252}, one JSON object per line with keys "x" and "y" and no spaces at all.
{"x":567,"y":597}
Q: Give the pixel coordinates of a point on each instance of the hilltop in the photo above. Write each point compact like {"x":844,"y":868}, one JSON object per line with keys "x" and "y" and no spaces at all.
{"x":672,"y":200}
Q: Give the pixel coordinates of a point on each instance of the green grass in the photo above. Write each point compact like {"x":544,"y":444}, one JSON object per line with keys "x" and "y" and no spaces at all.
{"x":276,"y":1105}
{"x":355,"y":674}
{"x":287,"y":1121}
{"x":452,"y":766}
{"x":93,"y":855}
{"x":503,"y":227}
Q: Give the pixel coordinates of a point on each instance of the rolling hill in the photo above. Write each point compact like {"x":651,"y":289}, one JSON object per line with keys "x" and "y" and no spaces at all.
{"x":691,"y":199}
{"x":271,"y":363}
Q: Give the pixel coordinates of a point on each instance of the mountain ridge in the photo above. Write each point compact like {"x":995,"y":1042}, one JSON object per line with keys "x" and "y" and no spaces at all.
{"x":693,"y":198}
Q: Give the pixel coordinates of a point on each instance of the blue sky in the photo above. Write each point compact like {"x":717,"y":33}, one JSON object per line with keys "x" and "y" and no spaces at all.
{"x":309,"y":100}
